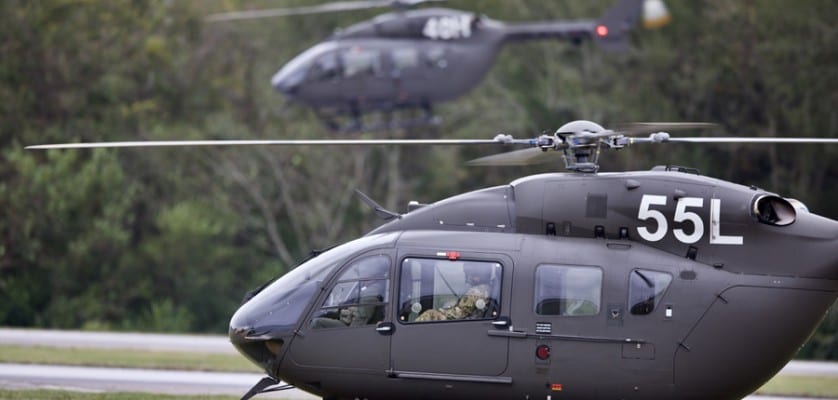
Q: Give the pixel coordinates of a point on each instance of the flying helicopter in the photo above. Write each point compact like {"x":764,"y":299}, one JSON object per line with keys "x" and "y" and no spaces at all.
{"x":412,"y":59}
{"x":581,"y":284}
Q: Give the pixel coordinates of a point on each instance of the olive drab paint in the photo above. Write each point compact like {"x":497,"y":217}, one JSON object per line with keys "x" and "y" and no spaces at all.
{"x":632,"y":285}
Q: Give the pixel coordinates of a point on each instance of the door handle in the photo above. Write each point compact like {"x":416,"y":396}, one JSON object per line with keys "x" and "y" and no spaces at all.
{"x":502,"y":322}
{"x":385,"y":328}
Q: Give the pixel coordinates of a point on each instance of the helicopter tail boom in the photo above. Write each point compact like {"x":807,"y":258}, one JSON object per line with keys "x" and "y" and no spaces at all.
{"x":610,"y":31}
{"x":570,"y":30}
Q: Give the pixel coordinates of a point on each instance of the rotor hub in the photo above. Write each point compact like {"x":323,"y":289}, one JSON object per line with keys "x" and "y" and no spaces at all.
{"x":579,"y":126}
{"x":582,"y":141}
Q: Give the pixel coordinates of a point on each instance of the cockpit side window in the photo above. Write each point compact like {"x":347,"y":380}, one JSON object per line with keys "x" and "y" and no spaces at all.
{"x":326,"y":67}
{"x":646,"y":288}
{"x":566,"y":290}
{"x":361,"y":62}
{"x":358,"y":297}
{"x":444,"y":290}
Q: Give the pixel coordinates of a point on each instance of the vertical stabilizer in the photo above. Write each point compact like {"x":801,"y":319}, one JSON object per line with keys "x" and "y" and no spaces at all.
{"x":613,"y":27}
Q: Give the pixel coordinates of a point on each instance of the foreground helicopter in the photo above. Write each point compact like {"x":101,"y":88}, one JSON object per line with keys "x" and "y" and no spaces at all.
{"x":387,"y":63}
{"x":634,"y":285}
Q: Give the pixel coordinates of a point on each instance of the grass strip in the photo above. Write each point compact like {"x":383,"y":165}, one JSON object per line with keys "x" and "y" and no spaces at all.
{"x":70,"y":395}
{"x":801,"y":386}
{"x":126,"y":358}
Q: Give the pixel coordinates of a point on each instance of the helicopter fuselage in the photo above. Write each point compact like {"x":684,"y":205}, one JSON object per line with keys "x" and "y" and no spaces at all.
{"x":374,"y":67}
{"x":656,"y":284}
{"x":419,"y":57}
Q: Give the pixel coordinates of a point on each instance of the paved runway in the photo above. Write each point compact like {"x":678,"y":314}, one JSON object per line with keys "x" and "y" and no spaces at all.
{"x":26,"y":376}
{"x":113,"y":340}
{"x":93,"y":379}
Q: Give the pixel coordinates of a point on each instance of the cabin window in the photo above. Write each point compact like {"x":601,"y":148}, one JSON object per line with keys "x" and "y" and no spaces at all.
{"x":443,"y":290}
{"x":358,"y":297}
{"x":405,"y":58}
{"x":358,"y":61}
{"x":646,"y":288}
{"x":436,"y":57}
{"x":326,"y":67}
{"x":568,"y":290}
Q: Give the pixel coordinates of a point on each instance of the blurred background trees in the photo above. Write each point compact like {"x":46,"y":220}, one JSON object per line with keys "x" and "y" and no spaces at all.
{"x":170,"y":239}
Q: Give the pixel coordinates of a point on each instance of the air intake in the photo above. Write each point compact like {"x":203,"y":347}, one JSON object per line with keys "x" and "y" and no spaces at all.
{"x":774,"y":210}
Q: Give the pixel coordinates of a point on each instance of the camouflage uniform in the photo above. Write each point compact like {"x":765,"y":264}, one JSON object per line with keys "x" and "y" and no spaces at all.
{"x":369,"y":309}
{"x":349,"y":316}
{"x":471,"y":305}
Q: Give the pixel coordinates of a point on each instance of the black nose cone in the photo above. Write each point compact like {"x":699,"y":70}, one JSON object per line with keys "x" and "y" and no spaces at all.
{"x":288,"y":80}
{"x":264,"y":351}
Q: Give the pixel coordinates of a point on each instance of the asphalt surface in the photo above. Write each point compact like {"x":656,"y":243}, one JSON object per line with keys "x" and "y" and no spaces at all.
{"x":93,"y":379}
{"x":28,"y":376}
{"x":111,"y":340}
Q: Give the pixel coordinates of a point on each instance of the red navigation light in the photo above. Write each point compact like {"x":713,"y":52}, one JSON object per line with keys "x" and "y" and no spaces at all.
{"x":451,"y":255}
{"x":602,"y":30}
{"x":542,"y":352}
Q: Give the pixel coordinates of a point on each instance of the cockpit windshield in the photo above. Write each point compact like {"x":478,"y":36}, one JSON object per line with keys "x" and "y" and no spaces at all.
{"x":317,"y":63}
{"x":280,"y":305}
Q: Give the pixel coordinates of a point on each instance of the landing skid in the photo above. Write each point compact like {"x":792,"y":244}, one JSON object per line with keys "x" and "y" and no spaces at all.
{"x":266,"y":385}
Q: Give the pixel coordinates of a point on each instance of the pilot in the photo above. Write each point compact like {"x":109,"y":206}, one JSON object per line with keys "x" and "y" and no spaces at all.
{"x":473,"y":304}
{"x":366,"y":309}
{"x":369,"y":310}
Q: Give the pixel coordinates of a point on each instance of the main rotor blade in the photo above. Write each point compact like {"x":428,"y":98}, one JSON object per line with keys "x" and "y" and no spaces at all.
{"x":282,"y":12}
{"x":751,"y":140}
{"x":318,"y":9}
{"x":303,"y":142}
{"x":529,"y":156}
{"x":639,"y":128}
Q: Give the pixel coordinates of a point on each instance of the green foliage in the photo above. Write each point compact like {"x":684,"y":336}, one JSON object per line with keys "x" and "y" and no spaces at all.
{"x":66,"y":221}
{"x":164,"y":316}
{"x":101,"y":238}
{"x":823,"y":344}
{"x":170,"y":239}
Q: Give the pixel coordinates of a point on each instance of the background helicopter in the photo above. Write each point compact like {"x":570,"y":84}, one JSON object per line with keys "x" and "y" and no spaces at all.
{"x":611,"y":285}
{"x":416,"y":58}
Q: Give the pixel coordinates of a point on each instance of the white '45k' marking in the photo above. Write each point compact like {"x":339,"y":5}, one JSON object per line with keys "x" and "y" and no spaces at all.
{"x":448,"y":27}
